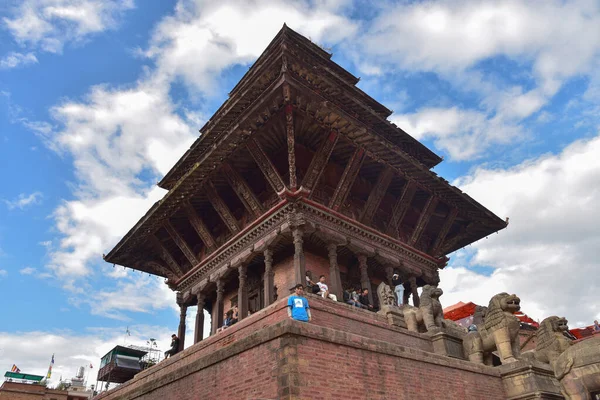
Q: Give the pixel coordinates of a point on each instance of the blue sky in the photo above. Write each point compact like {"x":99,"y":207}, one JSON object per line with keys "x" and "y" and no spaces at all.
{"x":99,"y":98}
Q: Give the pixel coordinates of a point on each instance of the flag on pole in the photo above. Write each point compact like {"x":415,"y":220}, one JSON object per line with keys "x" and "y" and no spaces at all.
{"x":49,"y":374}
{"x":15,"y":369}
{"x":127,"y":332}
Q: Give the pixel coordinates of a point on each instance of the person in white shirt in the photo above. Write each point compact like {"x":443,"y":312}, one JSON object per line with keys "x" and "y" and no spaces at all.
{"x":325,"y":289}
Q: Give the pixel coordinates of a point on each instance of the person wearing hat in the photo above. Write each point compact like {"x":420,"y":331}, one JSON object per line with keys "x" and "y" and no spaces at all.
{"x":298,"y":308}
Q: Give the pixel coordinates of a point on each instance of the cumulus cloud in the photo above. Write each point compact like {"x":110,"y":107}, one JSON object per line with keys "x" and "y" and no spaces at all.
{"x":14,"y":60}
{"x":549,"y":253}
{"x":32,"y":351}
{"x":24,"y":200}
{"x":3,"y":272}
{"x":552,"y":41}
{"x":49,"y":24}
{"x":464,"y":134}
{"x":205,"y":37}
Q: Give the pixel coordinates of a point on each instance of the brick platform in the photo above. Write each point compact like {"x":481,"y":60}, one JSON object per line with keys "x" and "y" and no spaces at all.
{"x":343,"y":353}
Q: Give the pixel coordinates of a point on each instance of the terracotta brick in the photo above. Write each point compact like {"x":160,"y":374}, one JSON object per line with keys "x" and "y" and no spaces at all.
{"x":344,"y":353}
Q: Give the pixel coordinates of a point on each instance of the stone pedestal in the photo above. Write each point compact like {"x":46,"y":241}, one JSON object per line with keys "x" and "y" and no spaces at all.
{"x":394,"y":315}
{"x":447,"y":343}
{"x":529,"y":380}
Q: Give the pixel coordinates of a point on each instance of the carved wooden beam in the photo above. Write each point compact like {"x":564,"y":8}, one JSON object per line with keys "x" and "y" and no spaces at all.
{"x":221,"y":208}
{"x":241,"y":188}
{"x":348,"y":177}
{"x":449,"y":244}
{"x":181,"y":243}
{"x":401,"y":207}
{"x":291,"y":140}
{"x":423,"y":219}
{"x":166,"y":256}
{"x":441,"y":236}
{"x":200,"y":227}
{"x":319,"y":162}
{"x":383,"y":182}
{"x":265,"y":165}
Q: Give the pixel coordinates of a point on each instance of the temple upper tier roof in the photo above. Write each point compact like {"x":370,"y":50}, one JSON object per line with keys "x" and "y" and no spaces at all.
{"x":336,"y":81}
{"x":296,"y":129}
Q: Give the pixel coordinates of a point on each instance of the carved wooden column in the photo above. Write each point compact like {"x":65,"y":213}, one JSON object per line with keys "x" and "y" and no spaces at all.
{"x":199,"y":330}
{"x":217,"y":318}
{"x":299,"y":260}
{"x":334,"y":272}
{"x":365,"y":283}
{"x":291,"y":140}
{"x":269,"y":275}
{"x":242,"y":293}
{"x":413,"y":290}
{"x":181,"y":330}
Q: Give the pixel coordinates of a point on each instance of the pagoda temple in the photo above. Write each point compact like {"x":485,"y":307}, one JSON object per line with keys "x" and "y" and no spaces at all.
{"x":299,"y":170}
{"x":300,"y":174}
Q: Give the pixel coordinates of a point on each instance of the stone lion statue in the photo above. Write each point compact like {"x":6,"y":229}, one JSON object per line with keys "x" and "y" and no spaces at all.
{"x":385,"y":295}
{"x":499,"y":331}
{"x":550,"y":341}
{"x":429,"y":314}
{"x":578,"y":369}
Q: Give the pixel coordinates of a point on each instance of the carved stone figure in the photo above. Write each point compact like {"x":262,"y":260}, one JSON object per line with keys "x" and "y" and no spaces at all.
{"x":429,"y":314}
{"x":385,"y":295}
{"x":550,"y":341}
{"x":499,"y":331}
{"x":578,"y":369}
{"x":479,"y":315}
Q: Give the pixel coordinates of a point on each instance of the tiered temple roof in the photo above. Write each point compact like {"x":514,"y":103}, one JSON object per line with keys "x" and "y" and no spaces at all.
{"x":297,"y":144}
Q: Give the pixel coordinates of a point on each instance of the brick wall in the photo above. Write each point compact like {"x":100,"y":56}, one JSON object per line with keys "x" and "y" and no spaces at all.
{"x":24,"y":391}
{"x":344,"y":353}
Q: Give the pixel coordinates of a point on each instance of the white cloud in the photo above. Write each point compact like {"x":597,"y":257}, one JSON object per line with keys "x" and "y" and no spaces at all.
{"x":3,"y":272}
{"x":14,"y":60}
{"x":548,"y":255}
{"x":50,"y":24}
{"x":131,"y":295}
{"x":204,"y":37}
{"x":28,"y":271}
{"x":560,"y":38}
{"x":548,"y":43}
{"x":24,"y":200}
{"x":32,"y":351}
{"x":464,"y":134}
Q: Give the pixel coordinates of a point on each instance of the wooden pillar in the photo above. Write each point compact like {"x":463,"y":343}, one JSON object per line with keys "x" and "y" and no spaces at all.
{"x":199,"y":330}
{"x":291,"y":142}
{"x":299,"y":260}
{"x":413,"y":290}
{"x":365,"y":283}
{"x":181,"y":330}
{"x":217,"y":318}
{"x":334,"y":272}
{"x":242,"y":293}
{"x":268,"y":279}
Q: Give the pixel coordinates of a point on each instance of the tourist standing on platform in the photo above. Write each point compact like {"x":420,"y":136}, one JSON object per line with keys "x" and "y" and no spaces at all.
{"x":174,"y":347}
{"x":298,"y":308}
{"x":324,"y":289}
{"x":398,"y":288}
{"x":596,"y":326}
